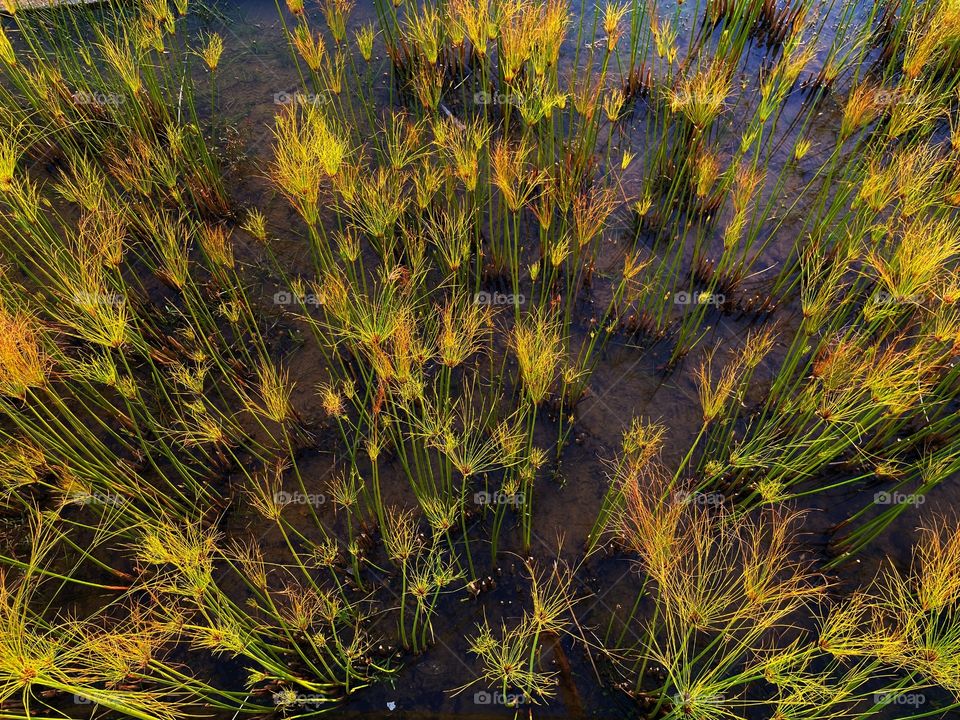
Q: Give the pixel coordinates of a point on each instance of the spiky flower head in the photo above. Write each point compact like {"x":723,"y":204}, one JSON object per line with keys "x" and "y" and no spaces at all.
{"x":308,"y":149}
{"x":336,"y":12}
{"x":310,"y":46}
{"x":217,"y":245}
{"x":700,"y":96}
{"x":332,"y":400}
{"x":461,"y":332}
{"x":441,"y":513}
{"x":537,"y":344}
{"x":212,"y":51}
{"x":364,"y":36}
{"x":461,"y":144}
{"x":24,"y":363}
{"x":10,"y":151}
{"x":861,"y":109}
{"x":613,"y":15}
{"x":255,"y":223}
{"x":7,"y":54}
{"x":275,"y":391}
{"x":189,"y":548}
{"x":400,"y":535}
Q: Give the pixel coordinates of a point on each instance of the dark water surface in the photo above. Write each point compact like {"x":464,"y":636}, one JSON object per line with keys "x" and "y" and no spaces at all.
{"x":257,"y":74}
{"x":257,"y":71}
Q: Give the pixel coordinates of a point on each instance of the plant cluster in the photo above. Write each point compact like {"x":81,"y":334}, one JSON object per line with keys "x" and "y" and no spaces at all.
{"x":491,"y":197}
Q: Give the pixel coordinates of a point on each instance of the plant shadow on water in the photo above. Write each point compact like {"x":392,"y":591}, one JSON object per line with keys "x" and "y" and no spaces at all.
{"x":480,"y":359}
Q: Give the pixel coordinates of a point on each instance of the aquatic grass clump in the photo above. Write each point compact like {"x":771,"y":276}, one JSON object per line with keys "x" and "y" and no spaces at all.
{"x":537,"y":345}
{"x":308,"y":152}
{"x":726,"y":589}
{"x":44,"y":659}
{"x":25,"y":363}
{"x":509,"y":656}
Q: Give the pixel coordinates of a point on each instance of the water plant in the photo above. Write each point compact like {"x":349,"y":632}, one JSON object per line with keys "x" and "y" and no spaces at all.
{"x":308,"y":404}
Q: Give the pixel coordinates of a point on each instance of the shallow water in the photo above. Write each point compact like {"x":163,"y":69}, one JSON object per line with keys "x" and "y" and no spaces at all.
{"x":257,"y":74}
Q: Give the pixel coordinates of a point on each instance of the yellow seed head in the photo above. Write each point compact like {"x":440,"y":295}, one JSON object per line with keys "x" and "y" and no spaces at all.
{"x":613,"y":104}
{"x":255,"y":223}
{"x":364,"y":37}
{"x":213,"y":51}
{"x":461,"y":332}
{"x":613,"y":14}
{"x":474,"y":17}
{"x":861,"y":109}
{"x":332,"y":401}
{"x":23,"y":362}
{"x":119,"y":56}
{"x":216,"y":243}
{"x":537,"y":344}
{"x":307,"y":150}
{"x":275,"y":391}
{"x":310,"y":47}
{"x":9,"y":156}
{"x":7,"y":54}
{"x":701,"y":95}
{"x":336,"y":12}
